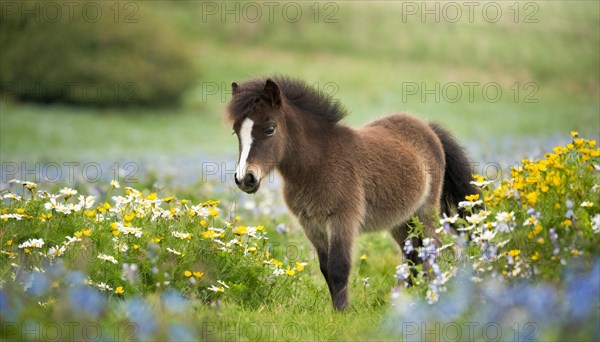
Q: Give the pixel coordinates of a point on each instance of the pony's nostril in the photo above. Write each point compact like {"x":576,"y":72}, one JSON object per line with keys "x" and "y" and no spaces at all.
{"x":250,"y":180}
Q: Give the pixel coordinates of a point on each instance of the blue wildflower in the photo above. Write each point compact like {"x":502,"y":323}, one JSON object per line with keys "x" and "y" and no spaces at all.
{"x":174,"y":302}
{"x":281,"y":229}
{"x":140,"y":313}
{"x":86,"y":301}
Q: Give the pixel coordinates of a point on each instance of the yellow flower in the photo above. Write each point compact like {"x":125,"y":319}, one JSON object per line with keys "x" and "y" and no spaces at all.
{"x":208,"y":234}
{"x":78,"y":234}
{"x":364,"y":256}
{"x":119,"y":290}
{"x":575,"y":252}
{"x":106,"y":205}
{"x":240,"y":230}
{"x":90,"y":213}
{"x":251,"y":249}
{"x":210,"y":203}
{"x":237,"y":218}
{"x":545,"y":188}
{"x":587,"y":204}
{"x":260,"y":228}
{"x":541,"y":241}
{"x":300,"y":266}
{"x":535,"y":231}
{"x":136,"y":246}
{"x":574,"y":133}
{"x":290,"y":272}
{"x":567,"y":223}
{"x":535,"y":256}
{"x":116,"y":232}
{"x":168,"y":199}
{"x":129,"y":217}
{"x":532,"y":198}
{"x":198,"y":275}
{"x":514,"y":252}
{"x":213,"y":212}
{"x":533,"y":178}
{"x":478,"y":178}
{"x":86,"y":232}
{"x":20,"y":211}
{"x":518,"y":184}
{"x":556,"y":180}
{"x":152,"y":196}
{"x":187,"y":273}
{"x":203,"y":224}
{"x":9,"y":243}
{"x":472,"y":198}
{"x":184,"y":201}
{"x":156,"y":239}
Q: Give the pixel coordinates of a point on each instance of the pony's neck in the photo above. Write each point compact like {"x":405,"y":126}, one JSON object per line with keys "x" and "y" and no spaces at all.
{"x":308,"y":139}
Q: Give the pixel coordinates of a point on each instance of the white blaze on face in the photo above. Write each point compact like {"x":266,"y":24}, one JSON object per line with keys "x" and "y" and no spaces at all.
{"x":246,"y":142}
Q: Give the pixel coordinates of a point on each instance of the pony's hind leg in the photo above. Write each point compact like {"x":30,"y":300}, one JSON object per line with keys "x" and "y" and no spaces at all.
{"x":410,"y":254}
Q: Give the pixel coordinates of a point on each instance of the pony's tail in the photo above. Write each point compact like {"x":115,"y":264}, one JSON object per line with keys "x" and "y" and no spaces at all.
{"x":457,"y":174}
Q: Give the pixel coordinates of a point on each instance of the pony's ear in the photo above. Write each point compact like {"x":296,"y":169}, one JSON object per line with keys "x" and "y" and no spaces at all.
{"x":234,"y":87}
{"x":271,"y":93}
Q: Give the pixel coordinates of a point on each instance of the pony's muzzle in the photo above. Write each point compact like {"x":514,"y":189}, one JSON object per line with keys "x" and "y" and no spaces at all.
{"x":248,"y":184}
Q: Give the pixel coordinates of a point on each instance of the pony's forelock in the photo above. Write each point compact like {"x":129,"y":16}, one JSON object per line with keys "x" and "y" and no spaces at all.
{"x":295,"y":92}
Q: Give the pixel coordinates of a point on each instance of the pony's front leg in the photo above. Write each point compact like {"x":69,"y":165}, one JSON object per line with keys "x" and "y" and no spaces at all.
{"x":318,"y":237}
{"x":340,"y":260}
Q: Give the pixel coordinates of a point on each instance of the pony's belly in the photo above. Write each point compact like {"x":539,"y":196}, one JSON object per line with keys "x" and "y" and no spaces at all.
{"x":373,"y":224}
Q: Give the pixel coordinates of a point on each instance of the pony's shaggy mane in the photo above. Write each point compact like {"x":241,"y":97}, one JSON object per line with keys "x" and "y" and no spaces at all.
{"x":296,"y":92}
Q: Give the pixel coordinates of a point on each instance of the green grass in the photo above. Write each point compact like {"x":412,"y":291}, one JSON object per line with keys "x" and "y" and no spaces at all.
{"x":366,"y":61}
{"x":51,"y":133}
{"x":256,"y":301}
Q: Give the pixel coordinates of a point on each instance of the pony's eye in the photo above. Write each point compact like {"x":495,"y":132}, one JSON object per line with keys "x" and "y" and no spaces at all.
{"x":269,"y":131}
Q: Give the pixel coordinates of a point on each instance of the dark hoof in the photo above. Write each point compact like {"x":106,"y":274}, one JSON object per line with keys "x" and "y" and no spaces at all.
{"x":340,"y":301}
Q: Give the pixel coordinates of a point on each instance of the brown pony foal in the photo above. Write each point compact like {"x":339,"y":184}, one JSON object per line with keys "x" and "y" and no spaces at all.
{"x":340,"y":181}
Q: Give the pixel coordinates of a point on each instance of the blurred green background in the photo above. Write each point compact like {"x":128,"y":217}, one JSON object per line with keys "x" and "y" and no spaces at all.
{"x":164,"y":70}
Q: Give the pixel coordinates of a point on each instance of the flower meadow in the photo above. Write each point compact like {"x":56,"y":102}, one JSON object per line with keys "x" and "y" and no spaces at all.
{"x":129,"y":262}
{"x":128,"y":245}
{"x":526,"y":253}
